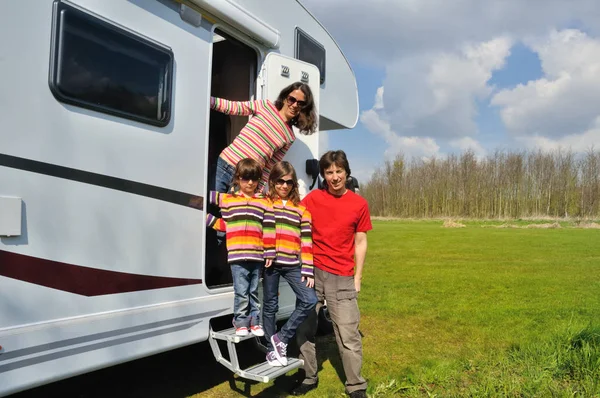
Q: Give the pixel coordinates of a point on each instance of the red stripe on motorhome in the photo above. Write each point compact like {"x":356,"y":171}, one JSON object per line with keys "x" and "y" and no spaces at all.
{"x":81,"y":280}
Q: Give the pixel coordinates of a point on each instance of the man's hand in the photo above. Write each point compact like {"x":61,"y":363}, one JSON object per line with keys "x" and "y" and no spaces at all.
{"x":357,"y":283}
{"x":268,"y":262}
{"x":310,"y":282}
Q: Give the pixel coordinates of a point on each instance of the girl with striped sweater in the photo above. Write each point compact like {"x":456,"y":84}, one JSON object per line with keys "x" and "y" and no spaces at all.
{"x":293,"y":261}
{"x":249,"y":226}
{"x":268,"y":135}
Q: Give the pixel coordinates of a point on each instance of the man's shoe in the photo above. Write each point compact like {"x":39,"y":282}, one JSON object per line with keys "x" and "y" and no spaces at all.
{"x":280,"y":349}
{"x":358,"y":394}
{"x":304,"y":388}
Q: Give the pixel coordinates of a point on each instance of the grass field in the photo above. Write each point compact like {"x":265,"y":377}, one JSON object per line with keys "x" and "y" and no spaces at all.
{"x":474,"y":311}
{"x":492,"y":309}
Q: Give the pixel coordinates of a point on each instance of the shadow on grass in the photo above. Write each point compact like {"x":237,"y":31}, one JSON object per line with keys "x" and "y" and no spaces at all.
{"x":182,"y":373}
{"x":179,"y":373}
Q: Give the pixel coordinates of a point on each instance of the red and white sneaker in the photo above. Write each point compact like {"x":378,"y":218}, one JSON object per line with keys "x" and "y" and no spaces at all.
{"x":241,"y":331}
{"x":257,"y":330}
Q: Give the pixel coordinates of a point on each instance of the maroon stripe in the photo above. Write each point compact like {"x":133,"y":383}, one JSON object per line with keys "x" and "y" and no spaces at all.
{"x":80,"y":280}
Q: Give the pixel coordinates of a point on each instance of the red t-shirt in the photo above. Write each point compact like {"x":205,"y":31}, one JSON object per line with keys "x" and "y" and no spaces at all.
{"x":336,"y":219}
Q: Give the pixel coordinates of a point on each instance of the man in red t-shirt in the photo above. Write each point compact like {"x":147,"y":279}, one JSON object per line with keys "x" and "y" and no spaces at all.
{"x":341,"y":220}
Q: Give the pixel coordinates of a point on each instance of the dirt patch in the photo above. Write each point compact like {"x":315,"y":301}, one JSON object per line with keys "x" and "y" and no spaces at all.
{"x":504,"y":226}
{"x":452,"y":224}
{"x":589,"y":225}
{"x":553,"y":225}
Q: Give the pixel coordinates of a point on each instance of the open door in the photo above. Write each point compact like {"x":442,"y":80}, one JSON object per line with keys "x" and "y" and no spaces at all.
{"x":278,"y":72}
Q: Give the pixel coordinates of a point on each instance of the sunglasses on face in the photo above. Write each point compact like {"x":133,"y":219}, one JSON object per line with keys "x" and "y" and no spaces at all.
{"x":291,"y":100}
{"x":289,"y":183}
{"x":248,"y":179}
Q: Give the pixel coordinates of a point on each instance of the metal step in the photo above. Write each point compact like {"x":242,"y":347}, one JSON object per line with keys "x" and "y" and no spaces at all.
{"x":229,"y":335}
{"x":263,"y":372}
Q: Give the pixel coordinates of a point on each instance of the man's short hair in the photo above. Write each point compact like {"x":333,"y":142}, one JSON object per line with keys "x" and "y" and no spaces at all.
{"x":331,"y":158}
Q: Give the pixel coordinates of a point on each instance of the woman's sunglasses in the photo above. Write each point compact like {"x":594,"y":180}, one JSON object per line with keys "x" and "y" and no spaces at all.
{"x":289,"y":183}
{"x":291,"y":100}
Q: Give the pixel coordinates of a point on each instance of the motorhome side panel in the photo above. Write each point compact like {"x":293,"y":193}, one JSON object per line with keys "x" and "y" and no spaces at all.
{"x":108,"y":266}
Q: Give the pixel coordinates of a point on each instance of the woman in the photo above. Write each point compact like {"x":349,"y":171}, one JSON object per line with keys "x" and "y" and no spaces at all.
{"x":268,"y":135}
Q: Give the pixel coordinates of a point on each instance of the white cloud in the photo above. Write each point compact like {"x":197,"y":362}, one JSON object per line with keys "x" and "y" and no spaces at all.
{"x":415,"y":146}
{"x":385,"y":30}
{"x":575,"y":142}
{"x":434,"y":95}
{"x":439,"y":56}
{"x":468,"y":143}
{"x":564,"y":102}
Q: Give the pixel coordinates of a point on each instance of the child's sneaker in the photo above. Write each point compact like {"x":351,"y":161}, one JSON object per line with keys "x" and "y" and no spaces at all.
{"x":241,"y":331}
{"x":272,"y":359}
{"x":280,"y":349}
{"x":257,"y":330}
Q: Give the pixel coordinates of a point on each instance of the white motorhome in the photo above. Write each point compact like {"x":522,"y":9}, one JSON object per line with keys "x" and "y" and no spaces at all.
{"x":106,"y":153}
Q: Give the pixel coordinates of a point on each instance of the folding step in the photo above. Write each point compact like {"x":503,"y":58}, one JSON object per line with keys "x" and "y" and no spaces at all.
{"x":263,"y":372}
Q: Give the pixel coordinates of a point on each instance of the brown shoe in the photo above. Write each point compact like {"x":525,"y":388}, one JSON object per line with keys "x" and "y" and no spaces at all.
{"x":304,"y":388}
{"x":358,"y":394}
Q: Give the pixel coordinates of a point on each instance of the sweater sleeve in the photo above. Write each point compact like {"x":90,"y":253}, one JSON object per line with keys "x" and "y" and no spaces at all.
{"x":269,"y":231}
{"x":306,"y":247}
{"x":237,"y":108}
{"x":216,"y":222}
{"x":277,"y":157}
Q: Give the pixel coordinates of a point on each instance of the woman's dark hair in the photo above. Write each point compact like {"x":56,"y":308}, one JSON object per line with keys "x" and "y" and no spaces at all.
{"x":306,"y":121}
{"x":337,"y":158}
{"x":279,"y":170}
{"x":248,"y":169}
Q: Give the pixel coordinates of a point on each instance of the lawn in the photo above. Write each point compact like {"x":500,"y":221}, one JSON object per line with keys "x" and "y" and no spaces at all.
{"x":474,"y":311}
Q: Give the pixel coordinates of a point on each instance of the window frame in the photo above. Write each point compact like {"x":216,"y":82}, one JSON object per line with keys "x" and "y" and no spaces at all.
{"x":56,"y":59}
{"x":297,"y":35}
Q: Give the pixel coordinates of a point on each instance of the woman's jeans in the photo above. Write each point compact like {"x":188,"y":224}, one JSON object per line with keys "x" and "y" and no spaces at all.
{"x":224,"y":176}
{"x":306,"y":299}
{"x":223,"y":179}
{"x":246,"y":307}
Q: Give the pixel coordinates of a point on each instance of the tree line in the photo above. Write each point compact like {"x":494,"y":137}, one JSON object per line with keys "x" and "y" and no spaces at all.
{"x":501,"y":185}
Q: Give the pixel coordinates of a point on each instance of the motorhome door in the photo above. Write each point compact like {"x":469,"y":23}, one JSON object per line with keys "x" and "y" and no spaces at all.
{"x":278,"y":72}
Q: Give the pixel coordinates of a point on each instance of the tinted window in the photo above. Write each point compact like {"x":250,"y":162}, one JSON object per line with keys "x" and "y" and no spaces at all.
{"x":100,"y":66}
{"x":311,"y":51}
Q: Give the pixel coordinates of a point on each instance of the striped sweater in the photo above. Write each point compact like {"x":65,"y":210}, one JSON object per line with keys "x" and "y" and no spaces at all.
{"x":265,"y":138}
{"x":293,"y":235}
{"x":249,"y":225}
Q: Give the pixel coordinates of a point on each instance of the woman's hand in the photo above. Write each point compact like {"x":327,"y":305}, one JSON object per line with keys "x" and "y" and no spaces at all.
{"x":268,"y":262}
{"x":310,"y":282}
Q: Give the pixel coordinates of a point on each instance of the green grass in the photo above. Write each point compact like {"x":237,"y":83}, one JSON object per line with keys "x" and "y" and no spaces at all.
{"x":474,"y":311}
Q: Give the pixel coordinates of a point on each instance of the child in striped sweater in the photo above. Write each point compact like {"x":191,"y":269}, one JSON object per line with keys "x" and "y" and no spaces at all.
{"x":293,"y":261}
{"x":249,"y":226}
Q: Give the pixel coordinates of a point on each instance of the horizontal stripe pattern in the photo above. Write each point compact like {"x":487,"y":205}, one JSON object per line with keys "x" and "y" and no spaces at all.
{"x":249,"y":225}
{"x":265,"y":138}
{"x":293,"y":236}
{"x":103,"y":180}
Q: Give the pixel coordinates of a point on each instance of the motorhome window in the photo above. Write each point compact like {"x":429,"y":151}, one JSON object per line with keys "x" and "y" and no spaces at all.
{"x":100,"y":66}
{"x":311,"y":51}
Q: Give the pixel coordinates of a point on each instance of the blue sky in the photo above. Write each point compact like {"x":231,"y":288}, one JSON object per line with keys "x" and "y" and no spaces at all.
{"x":438,"y":77}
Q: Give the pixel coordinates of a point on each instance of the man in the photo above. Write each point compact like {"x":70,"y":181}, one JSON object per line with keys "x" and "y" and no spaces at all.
{"x":341,"y":220}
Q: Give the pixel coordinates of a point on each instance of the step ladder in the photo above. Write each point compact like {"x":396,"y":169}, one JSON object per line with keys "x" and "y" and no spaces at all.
{"x":263,"y":372}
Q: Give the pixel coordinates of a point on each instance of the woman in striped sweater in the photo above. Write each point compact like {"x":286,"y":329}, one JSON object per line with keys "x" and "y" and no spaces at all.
{"x":249,"y":224}
{"x":268,"y":135}
{"x":293,"y":261}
